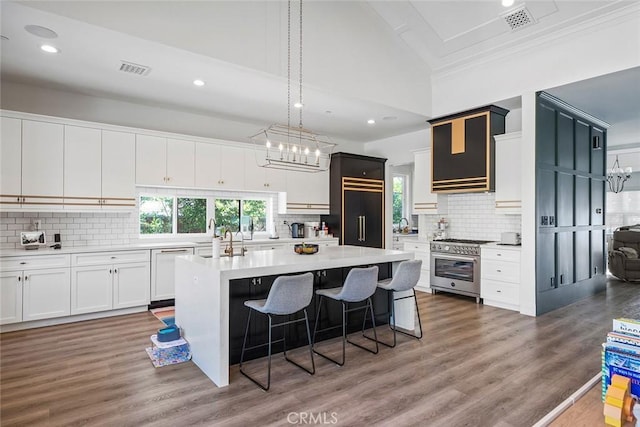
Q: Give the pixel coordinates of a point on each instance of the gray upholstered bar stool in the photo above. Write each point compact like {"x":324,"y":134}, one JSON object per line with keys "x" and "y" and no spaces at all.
{"x":288,"y":295}
{"x":359,"y":286}
{"x":405,"y":278}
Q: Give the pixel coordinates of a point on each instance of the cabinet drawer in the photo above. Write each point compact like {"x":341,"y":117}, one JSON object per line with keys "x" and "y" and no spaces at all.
{"x":100,"y":258}
{"x":501,"y":254}
{"x":500,"y":270}
{"x":34,"y":262}
{"x":417,"y":247}
{"x":502,"y":292}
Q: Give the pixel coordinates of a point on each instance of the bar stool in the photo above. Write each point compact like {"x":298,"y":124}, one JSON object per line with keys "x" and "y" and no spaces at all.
{"x":359,"y":286}
{"x":288,"y":295}
{"x":405,"y":278}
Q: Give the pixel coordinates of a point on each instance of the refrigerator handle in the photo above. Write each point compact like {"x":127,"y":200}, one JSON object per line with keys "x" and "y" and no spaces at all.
{"x":359,"y":228}
{"x":364,"y":228}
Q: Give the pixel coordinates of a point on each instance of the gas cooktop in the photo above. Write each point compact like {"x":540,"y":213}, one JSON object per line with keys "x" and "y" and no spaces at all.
{"x":464,"y":241}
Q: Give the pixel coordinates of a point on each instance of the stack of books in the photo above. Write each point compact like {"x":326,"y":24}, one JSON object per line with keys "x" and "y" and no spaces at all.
{"x":621,"y":354}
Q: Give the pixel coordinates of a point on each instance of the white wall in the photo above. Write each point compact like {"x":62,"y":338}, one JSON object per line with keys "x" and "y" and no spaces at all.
{"x":398,"y":150}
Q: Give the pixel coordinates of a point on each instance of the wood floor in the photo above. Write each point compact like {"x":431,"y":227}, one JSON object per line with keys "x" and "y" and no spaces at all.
{"x":475,"y":366}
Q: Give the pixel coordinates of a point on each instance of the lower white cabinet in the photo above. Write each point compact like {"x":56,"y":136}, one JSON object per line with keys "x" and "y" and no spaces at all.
{"x":33,"y":288}
{"x":163,"y":272}
{"x":421,"y":251}
{"x":103,"y":281}
{"x":500,"y":277}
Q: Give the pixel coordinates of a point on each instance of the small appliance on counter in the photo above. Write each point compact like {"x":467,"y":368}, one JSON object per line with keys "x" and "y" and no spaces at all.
{"x":297,"y":230}
{"x":510,"y":238}
{"x":311,"y":229}
{"x":32,"y":239}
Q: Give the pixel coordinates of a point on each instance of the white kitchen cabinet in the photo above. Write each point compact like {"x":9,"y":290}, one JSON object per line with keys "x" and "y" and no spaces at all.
{"x":163,"y":272}
{"x":219,"y":166}
{"x":82,"y":167}
{"x":424,"y":201}
{"x":42,"y":164}
{"x":10,"y":297}
{"x":46,"y":294}
{"x":508,"y":173}
{"x":109,"y":280}
{"x":118,"y":169}
{"x":257,"y":178}
{"x":10,"y":162}
{"x":164,"y":161}
{"x":91,"y":289}
{"x":500,"y":277}
{"x":308,"y":192}
{"x":421,"y":251}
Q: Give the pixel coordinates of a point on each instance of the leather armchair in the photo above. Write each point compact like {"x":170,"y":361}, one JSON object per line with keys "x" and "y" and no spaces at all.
{"x":623,"y":263}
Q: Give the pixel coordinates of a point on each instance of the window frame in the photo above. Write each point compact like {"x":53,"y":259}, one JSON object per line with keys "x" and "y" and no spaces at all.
{"x":406,"y":211}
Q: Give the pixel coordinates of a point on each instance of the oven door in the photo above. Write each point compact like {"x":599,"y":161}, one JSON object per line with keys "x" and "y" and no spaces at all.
{"x":455,"y":273}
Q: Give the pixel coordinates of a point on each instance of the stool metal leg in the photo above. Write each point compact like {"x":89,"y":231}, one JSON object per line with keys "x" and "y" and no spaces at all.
{"x":256,"y":382}
{"x":369,"y":305}
{"x":392,"y":323}
{"x":313,"y":365}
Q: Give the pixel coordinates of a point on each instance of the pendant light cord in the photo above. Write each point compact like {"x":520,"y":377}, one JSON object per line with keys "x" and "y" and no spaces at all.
{"x":301,"y":105}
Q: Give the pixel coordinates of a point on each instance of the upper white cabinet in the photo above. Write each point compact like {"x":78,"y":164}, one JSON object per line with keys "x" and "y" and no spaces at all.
{"x":162,"y":161}
{"x":42,"y":164}
{"x":10,"y":161}
{"x":424,"y":201}
{"x":508,"y":173}
{"x":308,"y":192}
{"x":99,"y":168}
{"x":219,"y":166}
{"x":118,"y":168}
{"x":257,"y":178}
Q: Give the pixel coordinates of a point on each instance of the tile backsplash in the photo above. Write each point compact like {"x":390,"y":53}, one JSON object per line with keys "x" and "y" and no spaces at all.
{"x":472,"y":216}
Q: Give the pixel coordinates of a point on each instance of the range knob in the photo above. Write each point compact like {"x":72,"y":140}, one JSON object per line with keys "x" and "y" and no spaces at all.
{"x":446,"y":248}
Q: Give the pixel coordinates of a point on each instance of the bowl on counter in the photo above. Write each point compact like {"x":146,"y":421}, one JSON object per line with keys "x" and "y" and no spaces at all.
{"x":306,"y":248}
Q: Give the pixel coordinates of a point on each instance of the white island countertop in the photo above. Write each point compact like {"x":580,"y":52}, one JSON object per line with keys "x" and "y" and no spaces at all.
{"x":202,"y":293}
{"x":261,"y":263}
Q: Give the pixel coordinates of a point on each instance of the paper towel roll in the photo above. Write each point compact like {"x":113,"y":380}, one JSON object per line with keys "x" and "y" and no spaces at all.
{"x":215,"y":248}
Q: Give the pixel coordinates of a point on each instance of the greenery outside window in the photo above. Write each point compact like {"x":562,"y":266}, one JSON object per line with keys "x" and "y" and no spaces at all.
{"x":400,"y":203}
{"x":242,"y":214}
{"x":171,"y":215}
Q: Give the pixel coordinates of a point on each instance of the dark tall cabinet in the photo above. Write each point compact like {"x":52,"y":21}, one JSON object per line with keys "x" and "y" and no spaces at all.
{"x":356,"y":200}
{"x":570,"y":175}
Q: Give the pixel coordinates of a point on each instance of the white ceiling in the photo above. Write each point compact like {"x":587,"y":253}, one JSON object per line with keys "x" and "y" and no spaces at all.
{"x":362,"y":59}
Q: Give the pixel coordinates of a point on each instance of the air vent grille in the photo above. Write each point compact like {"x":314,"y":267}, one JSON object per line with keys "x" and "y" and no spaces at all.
{"x":131,"y":68}
{"x":519,"y":18}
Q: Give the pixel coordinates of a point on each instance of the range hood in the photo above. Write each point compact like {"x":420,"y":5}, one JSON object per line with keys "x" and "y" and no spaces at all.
{"x":463,"y":150}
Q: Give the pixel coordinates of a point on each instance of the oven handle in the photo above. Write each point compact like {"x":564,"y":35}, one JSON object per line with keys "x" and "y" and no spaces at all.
{"x":455,"y":257}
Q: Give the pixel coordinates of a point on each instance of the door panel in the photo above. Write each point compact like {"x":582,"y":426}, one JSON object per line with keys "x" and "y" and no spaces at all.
{"x":11,"y":297}
{"x":46,"y":293}
{"x":583,"y":147}
{"x":582,"y":201}
{"x":91,"y":289}
{"x":564,"y":200}
{"x":565,"y":141}
{"x":10,"y":156}
{"x":546,"y":135}
{"x":564,"y":258}
{"x":597,"y":253}
{"x":546,"y":196}
{"x":131,"y":285}
{"x":597,"y":156}
{"x":583,"y":255}
{"x":597,"y":202}
{"x":545,"y":262}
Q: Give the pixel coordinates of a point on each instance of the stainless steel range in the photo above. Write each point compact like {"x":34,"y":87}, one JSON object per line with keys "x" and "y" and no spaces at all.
{"x":455,"y":266}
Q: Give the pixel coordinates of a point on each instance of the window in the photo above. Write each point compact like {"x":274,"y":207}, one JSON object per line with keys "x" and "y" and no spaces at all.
{"x":400,"y":208}
{"x":188,"y":215}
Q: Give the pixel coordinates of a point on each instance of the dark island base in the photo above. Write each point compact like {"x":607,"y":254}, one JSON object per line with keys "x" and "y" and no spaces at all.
{"x":241,"y":290}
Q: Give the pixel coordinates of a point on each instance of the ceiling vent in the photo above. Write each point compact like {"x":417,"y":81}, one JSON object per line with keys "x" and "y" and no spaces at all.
{"x":519,"y":18}
{"x":131,"y":68}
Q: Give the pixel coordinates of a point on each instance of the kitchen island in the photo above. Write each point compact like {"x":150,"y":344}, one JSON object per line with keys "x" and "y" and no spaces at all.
{"x":202,"y":301}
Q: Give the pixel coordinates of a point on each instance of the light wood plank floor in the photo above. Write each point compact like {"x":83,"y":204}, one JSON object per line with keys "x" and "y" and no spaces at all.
{"x":476,"y":366}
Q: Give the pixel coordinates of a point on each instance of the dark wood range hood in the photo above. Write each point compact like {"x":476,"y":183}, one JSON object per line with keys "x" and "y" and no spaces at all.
{"x":463,"y":150}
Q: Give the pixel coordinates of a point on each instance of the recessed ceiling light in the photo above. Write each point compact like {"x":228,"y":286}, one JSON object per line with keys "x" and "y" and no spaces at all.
{"x":371,"y":122}
{"x":198,"y":82}
{"x":49,"y":49}
{"x":39,"y":31}
{"x":507,"y":3}
{"x":298,"y":105}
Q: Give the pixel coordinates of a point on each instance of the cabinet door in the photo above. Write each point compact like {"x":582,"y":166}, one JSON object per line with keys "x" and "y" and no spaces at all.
{"x":363,"y":219}
{"x":508,"y":174}
{"x":546,"y":262}
{"x":91,"y":289}
{"x":255,"y":177}
{"x":180,"y":163}
{"x":46,"y":293}
{"x":131,"y":285}
{"x":564,"y":199}
{"x":424,"y":201}
{"x":597,"y":202}
{"x":82,"y":167}
{"x":597,"y":253}
{"x":42,"y":162}
{"x":308,"y":193}
{"x":151,"y":160}
{"x":207,"y":165}
{"x":231,"y":168}
{"x":565,"y":258}
{"x":10,"y":297}
{"x":10,"y":158}
{"x":163,"y":269}
{"x":118,"y":167}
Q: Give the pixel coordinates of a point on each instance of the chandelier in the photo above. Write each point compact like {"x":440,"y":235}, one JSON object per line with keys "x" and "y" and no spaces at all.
{"x":616,"y":177}
{"x":292,"y":147}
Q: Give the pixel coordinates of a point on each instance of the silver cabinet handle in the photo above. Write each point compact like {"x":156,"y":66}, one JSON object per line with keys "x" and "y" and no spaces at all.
{"x":364,"y":228}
